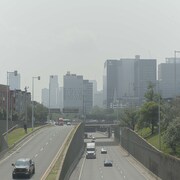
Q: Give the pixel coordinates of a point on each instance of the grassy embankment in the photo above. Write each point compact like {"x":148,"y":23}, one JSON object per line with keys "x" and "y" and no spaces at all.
{"x":15,"y":135}
{"x":154,"y":140}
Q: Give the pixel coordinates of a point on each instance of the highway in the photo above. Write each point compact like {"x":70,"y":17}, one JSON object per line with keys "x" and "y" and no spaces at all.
{"x":42,"y":147}
{"x":124,"y":166}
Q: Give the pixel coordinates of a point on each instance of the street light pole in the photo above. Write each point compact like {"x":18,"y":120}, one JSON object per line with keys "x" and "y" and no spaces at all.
{"x":50,"y":96}
{"x":37,"y":77}
{"x":7,"y":104}
{"x":26,"y":104}
{"x":175,"y":52}
{"x":159,"y":116}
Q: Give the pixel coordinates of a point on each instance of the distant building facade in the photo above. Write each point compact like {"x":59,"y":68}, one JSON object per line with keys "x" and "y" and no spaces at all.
{"x":94,"y":82}
{"x":73,"y":92}
{"x":145,"y":73}
{"x":125,"y":81}
{"x":45,"y":97}
{"x":53,"y":92}
{"x":18,"y":101}
{"x":98,"y":99}
{"x":87,"y":96}
{"x":14,"y":81}
{"x":77,"y":93}
{"x":169,"y":78}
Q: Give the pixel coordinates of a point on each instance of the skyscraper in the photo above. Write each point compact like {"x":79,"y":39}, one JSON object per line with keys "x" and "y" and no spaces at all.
{"x":53,"y":92}
{"x":78,"y":93}
{"x":73,"y":92}
{"x":145,"y":73}
{"x":14,"y":81}
{"x":169,"y":78}
{"x":110,"y":81}
{"x":94,"y":82}
{"x":87,"y":96}
{"x":45,"y":97}
{"x":125,"y":81}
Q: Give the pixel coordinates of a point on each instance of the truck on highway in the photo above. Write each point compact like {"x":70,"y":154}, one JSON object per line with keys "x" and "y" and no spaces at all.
{"x":90,"y":150}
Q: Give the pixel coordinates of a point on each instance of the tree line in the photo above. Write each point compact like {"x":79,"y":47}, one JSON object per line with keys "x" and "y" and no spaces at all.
{"x":155,"y":112}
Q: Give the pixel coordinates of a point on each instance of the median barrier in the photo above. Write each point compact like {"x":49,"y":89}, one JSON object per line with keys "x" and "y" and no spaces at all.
{"x":73,"y":154}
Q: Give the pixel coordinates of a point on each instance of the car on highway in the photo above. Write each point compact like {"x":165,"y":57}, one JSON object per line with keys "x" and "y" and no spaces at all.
{"x":93,"y":139}
{"x":23,"y":167}
{"x":68,"y":123}
{"x":108,"y":162}
{"x":103,"y":151}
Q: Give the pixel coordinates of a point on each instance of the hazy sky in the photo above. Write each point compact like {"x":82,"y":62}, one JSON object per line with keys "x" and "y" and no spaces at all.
{"x":51,"y":37}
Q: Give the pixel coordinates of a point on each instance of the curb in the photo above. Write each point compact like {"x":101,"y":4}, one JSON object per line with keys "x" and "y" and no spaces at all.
{"x":3,"y":153}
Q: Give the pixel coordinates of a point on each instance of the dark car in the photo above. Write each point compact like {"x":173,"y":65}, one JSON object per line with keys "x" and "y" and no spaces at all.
{"x":23,"y":167}
{"x":108,"y":162}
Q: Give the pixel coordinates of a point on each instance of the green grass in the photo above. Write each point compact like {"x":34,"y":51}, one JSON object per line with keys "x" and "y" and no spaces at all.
{"x":18,"y":133}
{"x":154,"y":140}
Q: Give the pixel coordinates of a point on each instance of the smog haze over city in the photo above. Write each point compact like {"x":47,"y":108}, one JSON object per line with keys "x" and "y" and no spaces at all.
{"x":51,"y":37}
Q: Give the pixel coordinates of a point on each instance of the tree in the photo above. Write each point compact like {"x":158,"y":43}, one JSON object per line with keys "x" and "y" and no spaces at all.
{"x":40,"y":112}
{"x":100,"y":114}
{"x":172,"y":135}
{"x":129,"y":118}
{"x":148,"y":116}
{"x":150,"y":94}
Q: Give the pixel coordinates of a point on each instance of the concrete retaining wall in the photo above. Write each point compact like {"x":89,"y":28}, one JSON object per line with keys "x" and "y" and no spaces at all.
{"x":74,"y":153}
{"x":164,"y":166}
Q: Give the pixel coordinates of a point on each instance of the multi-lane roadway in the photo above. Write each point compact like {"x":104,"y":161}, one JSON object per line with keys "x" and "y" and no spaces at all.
{"x":124,"y":166}
{"x":42,"y":147}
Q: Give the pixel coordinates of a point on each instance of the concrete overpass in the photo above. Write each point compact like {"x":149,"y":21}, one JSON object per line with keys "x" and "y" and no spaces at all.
{"x":103,"y":127}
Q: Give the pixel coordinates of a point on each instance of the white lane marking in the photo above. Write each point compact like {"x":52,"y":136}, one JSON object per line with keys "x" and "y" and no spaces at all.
{"x":36,"y":155}
{"x":101,"y":177}
{"x":41,"y":149}
{"x":56,"y":156}
{"x":82,"y":168}
{"x":46,"y":143}
{"x":15,"y":151}
{"x":124,"y":177}
{"x":137,"y":165}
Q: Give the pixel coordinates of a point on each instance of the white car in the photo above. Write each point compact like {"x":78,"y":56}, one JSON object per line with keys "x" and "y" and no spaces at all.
{"x":103,"y":151}
{"x":93,"y":139}
{"x":68,"y":123}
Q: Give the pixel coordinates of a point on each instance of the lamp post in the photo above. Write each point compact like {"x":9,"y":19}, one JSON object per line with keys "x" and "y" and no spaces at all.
{"x":50,"y":96}
{"x":159,"y":116}
{"x":37,"y":77}
{"x":7,"y":103}
{"x":26,"y":104}
{"x":175,"y":52}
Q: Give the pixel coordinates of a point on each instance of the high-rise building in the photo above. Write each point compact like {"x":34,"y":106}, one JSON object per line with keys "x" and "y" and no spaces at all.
{"x":53,"y":92}
{"x":14,"y":81}
{"x":61,"y":97}
{"x":169,"y":78}
{"x":98,"y":99}
{"x":126,"y":80}
{"x":45,"y":97}
{"x":110,"y":81}
{"x":94,"y":89}
{"x":78,"y":93}
{"x":73,"y":92}
{"x":87,"y":96}
{"x":145,"y":73}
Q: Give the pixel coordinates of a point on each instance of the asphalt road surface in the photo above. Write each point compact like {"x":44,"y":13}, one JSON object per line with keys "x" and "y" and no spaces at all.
{"x":125,"y":167}
{"x":42,"y":147}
